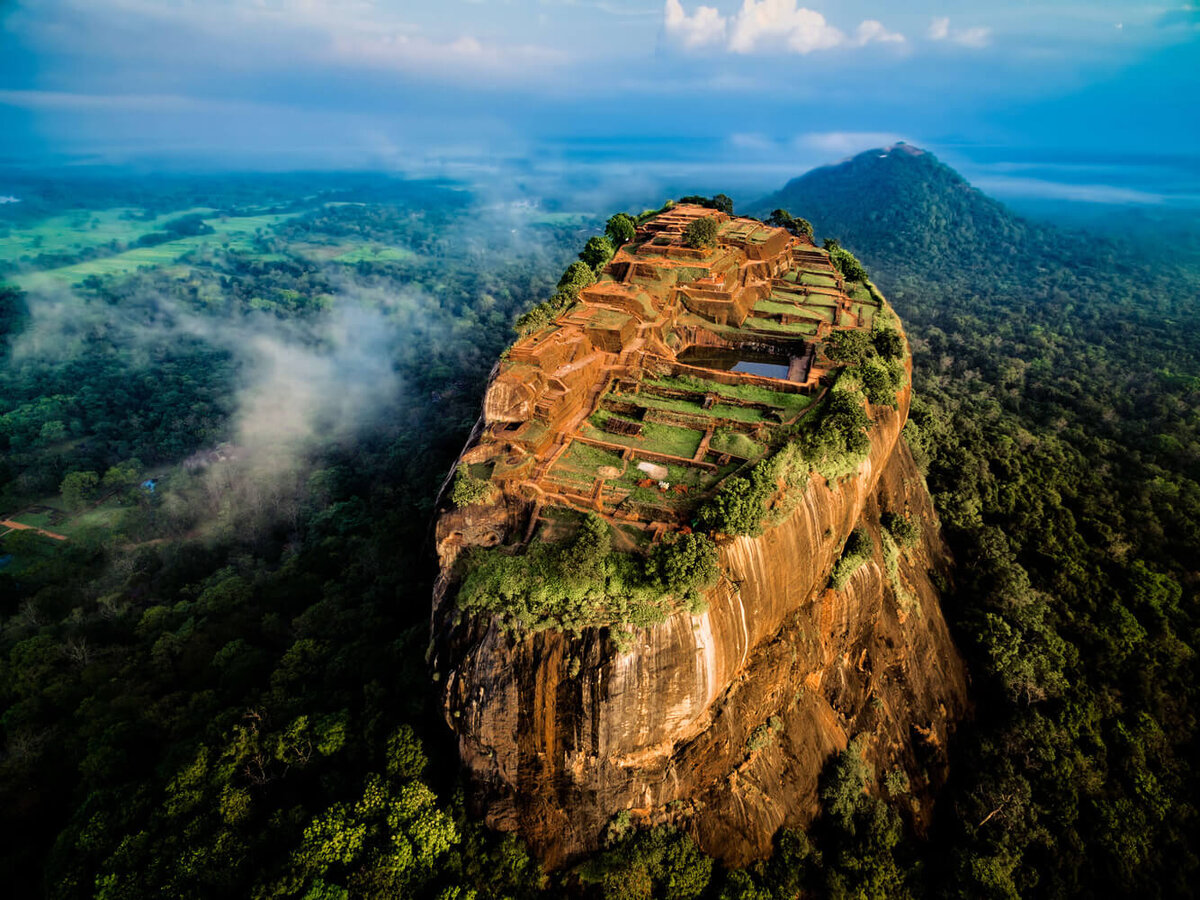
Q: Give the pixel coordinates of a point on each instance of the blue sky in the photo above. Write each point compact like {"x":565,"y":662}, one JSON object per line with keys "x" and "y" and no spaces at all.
{"x":1079,"y":98}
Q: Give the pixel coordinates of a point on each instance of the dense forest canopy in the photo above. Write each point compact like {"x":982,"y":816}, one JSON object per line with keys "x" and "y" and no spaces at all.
{"x":215,"y":686}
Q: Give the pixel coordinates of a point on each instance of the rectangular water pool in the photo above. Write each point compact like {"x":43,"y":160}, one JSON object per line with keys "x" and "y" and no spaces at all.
{"x":733,"y":359}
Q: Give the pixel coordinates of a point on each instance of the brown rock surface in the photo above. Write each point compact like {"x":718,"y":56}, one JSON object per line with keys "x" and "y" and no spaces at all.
{"x":559,"y":732}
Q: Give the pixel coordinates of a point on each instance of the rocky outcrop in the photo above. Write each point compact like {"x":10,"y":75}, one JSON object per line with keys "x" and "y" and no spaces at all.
{"x":719,"y":722}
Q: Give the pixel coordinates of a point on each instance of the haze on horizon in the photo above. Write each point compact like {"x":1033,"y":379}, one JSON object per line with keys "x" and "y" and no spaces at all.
{"x":1073,"y":100}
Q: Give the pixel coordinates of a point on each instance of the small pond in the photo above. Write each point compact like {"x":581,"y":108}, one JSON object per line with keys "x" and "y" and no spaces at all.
{"x":736,"y":359}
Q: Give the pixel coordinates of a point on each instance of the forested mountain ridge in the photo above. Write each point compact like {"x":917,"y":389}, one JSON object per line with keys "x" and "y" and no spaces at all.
{"x":1056,"y":377}
{"x":901,"y":200}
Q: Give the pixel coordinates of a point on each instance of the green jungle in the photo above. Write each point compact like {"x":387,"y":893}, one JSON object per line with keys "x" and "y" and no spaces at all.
{"x":228,"y":406}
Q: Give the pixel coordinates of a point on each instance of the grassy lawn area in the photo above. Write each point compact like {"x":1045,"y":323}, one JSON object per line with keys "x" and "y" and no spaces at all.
{"x":789,"y":403}
{"x":865,"y":312}
{"x":806,"y":276}
{"x":585,"y":457}
{"x":822,"y":312}
{"x":574,"y":479}
{"x":748,"y":414}
{"x":106,"y":516}
{"x":756,"y":324}
{"x":35,"y":520}
{"x":736,"y":444}
{"x":776,"y":308}
{"x":671,"y":404}
{"x":815,"y":311}
{"x":580,"y":464}
{"x":818,"y":280}
{"x":670,"y":439}
{"x":656,"y":438}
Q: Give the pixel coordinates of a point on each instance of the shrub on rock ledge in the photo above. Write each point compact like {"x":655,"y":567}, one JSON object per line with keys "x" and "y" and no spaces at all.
{"x":700,"y":234}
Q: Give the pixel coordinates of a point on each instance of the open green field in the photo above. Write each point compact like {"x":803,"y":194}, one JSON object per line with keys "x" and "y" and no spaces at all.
{"x":35,"y":519}
{"x":349,"y":253}
{"x":105,"y":516}
{"x":824,"y":313}
{"x":373,"y":253}
{"x":76,"y":232}
{"x":579,"y":465}
{"x":748,"y":414}
{"x":665,"y":403}
{"x":235,"y":233}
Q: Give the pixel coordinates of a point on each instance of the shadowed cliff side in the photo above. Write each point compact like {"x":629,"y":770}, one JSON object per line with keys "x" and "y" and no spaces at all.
{"x":720,"y":722}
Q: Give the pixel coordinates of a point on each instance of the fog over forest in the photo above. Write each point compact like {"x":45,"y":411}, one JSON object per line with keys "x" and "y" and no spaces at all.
{"x":284,"y":614}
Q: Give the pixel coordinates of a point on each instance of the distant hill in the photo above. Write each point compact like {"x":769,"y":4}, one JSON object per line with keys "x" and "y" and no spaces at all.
{"x":1056,"y":386}
{"x":900,"y":202}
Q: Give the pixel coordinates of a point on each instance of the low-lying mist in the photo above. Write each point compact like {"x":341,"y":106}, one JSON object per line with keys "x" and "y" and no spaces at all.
{"x":286,"y":365}
{"x":303,"y":386}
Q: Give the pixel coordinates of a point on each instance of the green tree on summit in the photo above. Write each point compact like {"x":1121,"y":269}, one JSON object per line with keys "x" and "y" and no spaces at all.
{"x":721,"y":202}
{"x":700,"y":234}
{"x":597,"y":252}
{"x":684,"y":565}
{"x":578,"y":276}
{"x":847,"y":263}
{"x":621,"y":229}
{"x":781,"y":218}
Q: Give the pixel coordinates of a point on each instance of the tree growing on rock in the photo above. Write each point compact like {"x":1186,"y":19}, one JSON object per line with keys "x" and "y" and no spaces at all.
{"x":469,"y":490}
{"x":700,"y":234}
{"x":621,"y":229}
{"x":684,"y":566}
{"x":597,"y":252}
{"x":578,"y":276}
{"x":781,"y":218}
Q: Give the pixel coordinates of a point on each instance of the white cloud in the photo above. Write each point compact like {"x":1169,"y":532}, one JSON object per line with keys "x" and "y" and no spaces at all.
{"x":772,"y":24}
{"x":763,"y":26}
{"x":752,"y":141}
{"x":1083,"y":193}
{"x":940,"y":30}
{"x":703,"y":27}
{"x":846,"y":141}
{"x":405,"y":52}
{"x":116,"y":103}
{"x":871,"y":31}
{"x":973,"y":37}
{"x":363,"y":34}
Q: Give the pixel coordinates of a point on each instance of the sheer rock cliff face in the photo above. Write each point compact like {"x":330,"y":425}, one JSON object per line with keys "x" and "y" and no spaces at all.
{"x":720,"y":723}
